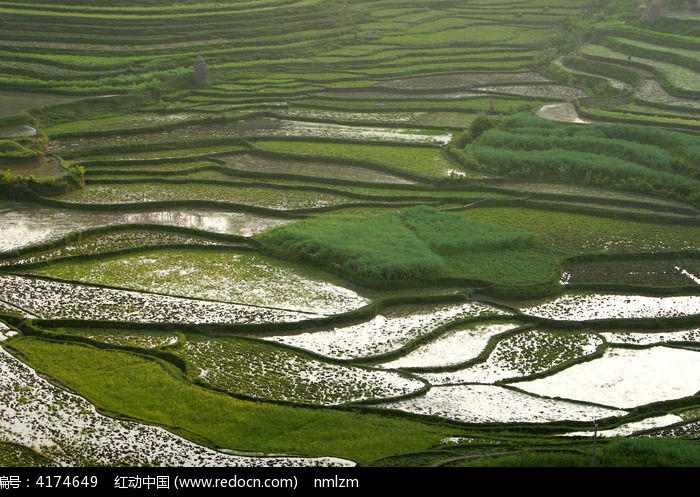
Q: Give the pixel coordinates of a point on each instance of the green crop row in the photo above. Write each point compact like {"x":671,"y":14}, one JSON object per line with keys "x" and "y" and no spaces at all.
{"x":647,"y":155}
{"x":631,"y":158}
{"x":609,"y":70}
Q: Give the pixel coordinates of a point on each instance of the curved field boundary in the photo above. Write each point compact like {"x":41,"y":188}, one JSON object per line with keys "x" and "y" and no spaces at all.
{"x":663,"y":79}
{"x":361,"y":314}
{"x":629,"y":118}
{"x":11,"y":268}
{"x":81,"y":234}
{"x":649,"y":36}
{"x":657,"y":218}
{"x":613,"y":72}
{"x":631,"y":324}
{"x":637,"y":413}
{"x":164,"y":354}
{"x":221,"y":167}
{"x":441,"y":330}
{"x":685,"y":61}
{"x":166,"y":204}
{"x":505,"y":382}
{"x":581,"y":199}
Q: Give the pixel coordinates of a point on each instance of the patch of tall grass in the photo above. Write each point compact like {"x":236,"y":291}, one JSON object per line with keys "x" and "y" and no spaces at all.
{"x":408,"y":244}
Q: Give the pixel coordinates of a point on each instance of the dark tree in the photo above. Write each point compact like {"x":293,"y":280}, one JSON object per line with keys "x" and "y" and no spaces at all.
{"x":201,"y":72}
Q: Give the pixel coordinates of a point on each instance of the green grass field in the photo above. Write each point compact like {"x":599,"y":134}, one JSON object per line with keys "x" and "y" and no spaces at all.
{"x":415,"y":244}
{"x":141,"y":388}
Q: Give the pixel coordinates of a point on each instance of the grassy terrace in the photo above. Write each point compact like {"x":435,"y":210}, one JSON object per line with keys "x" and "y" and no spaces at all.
{"x":357,"y":239}
{"x":114,"y":380}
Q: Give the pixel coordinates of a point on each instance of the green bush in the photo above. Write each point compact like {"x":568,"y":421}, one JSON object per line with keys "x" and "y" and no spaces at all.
{"x":480,"y":124}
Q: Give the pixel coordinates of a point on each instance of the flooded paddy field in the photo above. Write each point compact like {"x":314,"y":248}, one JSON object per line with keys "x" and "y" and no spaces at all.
{"x":492,"y":404}
{"x":50,"y":299}
{"x":217,"y":275}
{"x":28,"y":224}
{"x":76,"y":434}
{"x":263,"y":371}
{"x":112,"y":241}
{"x":584,"y":307}
{"x":388,"y":331}
{"x":270,"y":198}
{"x":624,"y":378}
{"x":451,"y":348}
{"x":326,"y":170}
{"x":247,"y":128}
{"x":43,"y":167}
{"x":523,"y":354}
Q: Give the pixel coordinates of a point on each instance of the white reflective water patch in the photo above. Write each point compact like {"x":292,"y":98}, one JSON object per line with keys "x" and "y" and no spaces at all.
{"x":385,"y":332}
{"x":487,"y":403}
{"x":604,"y":306}
{"x":76,"y":435}
{"x":631,"y":428}
{"x":58,"y":300}
{"x":451,"y":348}
{"x":625,"y":378}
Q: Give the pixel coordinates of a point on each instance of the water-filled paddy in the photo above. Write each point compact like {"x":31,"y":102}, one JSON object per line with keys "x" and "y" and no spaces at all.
{"x":564,"y":112}
{"x":267,"y":372}
{"x":488,"y":404}
{"x":42,"y":168}
{"x":26,"y":224}
{"x":271,"y":198}
{"x":253,"y":127}
{"x":58,"y":300}
{"x":525,"y":353}
{"x":628,"y":429}
{"x":329,"y":170}
{"x":68,"y":429}
{"x":463,"y":80}
{"x":625,"y":378}
{"x":112,"y":241}
{"x":451,"y":348}
{"x":222,"y":275}
{"x":584,"y":307}
{"x":386,"y":332}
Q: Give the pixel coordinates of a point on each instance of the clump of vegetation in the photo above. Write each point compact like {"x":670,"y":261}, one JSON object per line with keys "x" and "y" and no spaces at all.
{"x":480,"y":124}
{"x":447,"y":233}
{"x":379,"y":248}
{"x":623,"y":157}
{"x":408,"y":244}
{"x":24,"y":148}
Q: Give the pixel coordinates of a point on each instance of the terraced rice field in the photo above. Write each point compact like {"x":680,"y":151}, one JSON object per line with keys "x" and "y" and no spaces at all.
{"x":208,"y":259}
